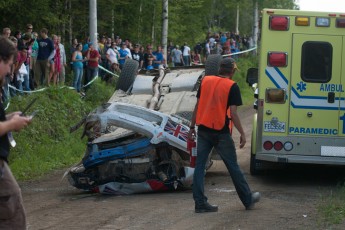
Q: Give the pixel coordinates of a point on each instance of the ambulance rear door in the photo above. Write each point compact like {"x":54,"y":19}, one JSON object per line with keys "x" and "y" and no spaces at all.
{"x":316,"y":87}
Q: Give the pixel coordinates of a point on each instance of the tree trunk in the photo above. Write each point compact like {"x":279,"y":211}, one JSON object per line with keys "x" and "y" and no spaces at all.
{"x":140,"y":21}
{"x":255,"y":24}
{"x":153,"y":24}
{"x":112,"y":23}
{"x":165,"y":28}
{"x":70,"y":31}
{"x":237,"y":17}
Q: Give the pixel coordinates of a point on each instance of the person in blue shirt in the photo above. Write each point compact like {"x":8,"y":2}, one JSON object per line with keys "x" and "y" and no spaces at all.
{"x":159,"y":58}
{"x":124,"y":54}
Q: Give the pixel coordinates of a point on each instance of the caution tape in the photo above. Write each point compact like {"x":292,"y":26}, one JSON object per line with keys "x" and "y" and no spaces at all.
{"x":104,"y":69}
{"x":45,"y":88}
{"x":244,"y":51}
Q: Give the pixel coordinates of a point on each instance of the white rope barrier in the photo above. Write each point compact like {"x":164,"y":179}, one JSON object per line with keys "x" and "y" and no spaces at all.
{"x":244,"y":51}
{"x":42,"y":89}
{"x":104,"y":69}
{"x":94,"y":79}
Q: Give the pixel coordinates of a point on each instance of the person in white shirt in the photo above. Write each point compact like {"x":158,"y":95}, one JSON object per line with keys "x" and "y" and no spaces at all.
{"x":112,"y":55}
{"x":63,"y":62}
{"x":186,"y":55}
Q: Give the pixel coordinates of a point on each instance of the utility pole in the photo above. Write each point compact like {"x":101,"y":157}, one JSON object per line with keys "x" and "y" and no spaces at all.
{"x":165,"y":28}
{"x":93,"y":22}
{"x":237,"y":17}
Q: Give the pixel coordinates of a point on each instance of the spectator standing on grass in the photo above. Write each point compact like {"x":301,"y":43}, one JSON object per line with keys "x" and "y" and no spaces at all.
{"x":111,"y":56}
{"x":215,"y":96}
{"x":124,"y":54}
{"x":26,"y":43}
{"x":55,"y":64}
{"x":92,"y":57}
{"x":20,"y":72}
{"x":44,"y":56}
{"x":12,"y":213}
{"x":159,"y":58}
{"x":186,"y":54}
{"x":33,"y":59}
{"x":177,"y":58}
{"x":63,"y":61}
{"x":29,"y":29}
{"x":138,"y":56}
{"x":6,"y":32}
{"x":78,"y":66}
{"x":148,"y":58}
{"x":196,"y":59}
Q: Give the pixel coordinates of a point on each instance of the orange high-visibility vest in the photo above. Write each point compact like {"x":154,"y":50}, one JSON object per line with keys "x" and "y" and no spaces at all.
{"x":213,"y":102}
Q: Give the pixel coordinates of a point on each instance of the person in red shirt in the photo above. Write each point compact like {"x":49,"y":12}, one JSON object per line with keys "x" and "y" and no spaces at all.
{"x":93,"y":57}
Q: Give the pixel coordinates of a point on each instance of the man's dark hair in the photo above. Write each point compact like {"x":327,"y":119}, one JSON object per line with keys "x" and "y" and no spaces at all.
{"x":227,"y":65}
{"x":7,"y":49}
{"x":44,"y":30}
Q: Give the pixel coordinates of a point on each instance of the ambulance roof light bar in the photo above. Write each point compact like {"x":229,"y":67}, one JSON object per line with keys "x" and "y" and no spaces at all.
{"x":280,"y":23}
{"x":322,"y":22}
{"x":340,"y":23}
{"x":302,"y":21}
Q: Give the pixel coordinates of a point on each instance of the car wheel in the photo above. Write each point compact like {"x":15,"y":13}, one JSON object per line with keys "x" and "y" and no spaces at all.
{"x":212,"y":64}
{"x":128,"y":74}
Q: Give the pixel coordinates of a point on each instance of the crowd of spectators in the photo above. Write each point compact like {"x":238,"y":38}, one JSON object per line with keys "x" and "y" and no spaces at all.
{"x":42,"y":59}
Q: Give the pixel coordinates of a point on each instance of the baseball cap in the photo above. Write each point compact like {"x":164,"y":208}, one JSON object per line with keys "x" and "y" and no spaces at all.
{"x":228,"y":64}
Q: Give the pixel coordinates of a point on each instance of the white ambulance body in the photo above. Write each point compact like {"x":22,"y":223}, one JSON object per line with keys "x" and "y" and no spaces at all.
{"x":301,"y":82}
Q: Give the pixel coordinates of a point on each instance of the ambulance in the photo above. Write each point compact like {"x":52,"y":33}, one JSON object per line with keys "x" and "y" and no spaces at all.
{"x":300,"y":96}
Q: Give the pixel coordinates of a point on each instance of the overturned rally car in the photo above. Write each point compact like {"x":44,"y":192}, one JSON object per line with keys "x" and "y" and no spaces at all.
{"x":137,"y":142}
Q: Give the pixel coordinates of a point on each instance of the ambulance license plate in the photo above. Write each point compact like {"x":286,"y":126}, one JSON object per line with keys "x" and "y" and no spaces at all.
{"x":278,"y":127}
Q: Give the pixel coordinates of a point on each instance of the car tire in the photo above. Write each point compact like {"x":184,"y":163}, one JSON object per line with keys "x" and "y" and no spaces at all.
{"x":128,"y":75}
{"x":212,"y":64}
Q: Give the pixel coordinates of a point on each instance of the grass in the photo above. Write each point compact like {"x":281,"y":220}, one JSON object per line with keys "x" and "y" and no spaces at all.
{"x":332,"y":208}
{"x":47,"y":143}
{"x":243,"y":65}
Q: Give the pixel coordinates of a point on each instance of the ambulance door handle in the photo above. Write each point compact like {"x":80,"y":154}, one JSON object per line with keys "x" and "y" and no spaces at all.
{"x":309,"y":114}
{"x":331,"y":97}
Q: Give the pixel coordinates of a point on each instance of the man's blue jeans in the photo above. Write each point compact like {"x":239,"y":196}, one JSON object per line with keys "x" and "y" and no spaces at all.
{"x":225,"y":147}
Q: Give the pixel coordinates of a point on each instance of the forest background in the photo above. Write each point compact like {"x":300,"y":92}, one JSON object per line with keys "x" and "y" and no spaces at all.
{"x":138,"y":20}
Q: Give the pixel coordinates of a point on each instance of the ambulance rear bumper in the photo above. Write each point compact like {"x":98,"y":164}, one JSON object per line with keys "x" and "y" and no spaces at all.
{"x":285,"y":158}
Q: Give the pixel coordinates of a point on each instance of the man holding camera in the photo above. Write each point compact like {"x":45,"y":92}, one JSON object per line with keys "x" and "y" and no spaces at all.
{"x":12,"y":214}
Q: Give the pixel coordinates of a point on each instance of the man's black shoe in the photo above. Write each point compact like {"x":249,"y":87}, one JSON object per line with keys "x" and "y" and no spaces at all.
{"x":206,"y":207}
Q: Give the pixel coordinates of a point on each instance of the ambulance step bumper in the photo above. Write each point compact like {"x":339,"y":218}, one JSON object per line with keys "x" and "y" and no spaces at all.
{"x":282,"y":158}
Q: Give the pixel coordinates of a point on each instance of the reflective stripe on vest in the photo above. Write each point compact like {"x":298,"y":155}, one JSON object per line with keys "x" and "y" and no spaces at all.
{"x":213,"y":102}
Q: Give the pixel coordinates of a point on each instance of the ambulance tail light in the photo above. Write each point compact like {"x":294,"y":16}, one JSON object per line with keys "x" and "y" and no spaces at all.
{"x":277,"y":59}
{"x":340,"y":23}
{"x":280,"y":23}
{"x":278,"y":146}
{"x":288,"y":146}
{"x":275,"y":95}
{"x":268,"y":145}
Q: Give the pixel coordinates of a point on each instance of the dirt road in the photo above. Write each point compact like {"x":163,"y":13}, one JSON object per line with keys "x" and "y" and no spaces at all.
{"x":289,"y":201}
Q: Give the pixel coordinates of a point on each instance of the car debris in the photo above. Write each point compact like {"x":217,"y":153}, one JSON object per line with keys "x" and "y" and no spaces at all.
{"x":137,"y":142}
